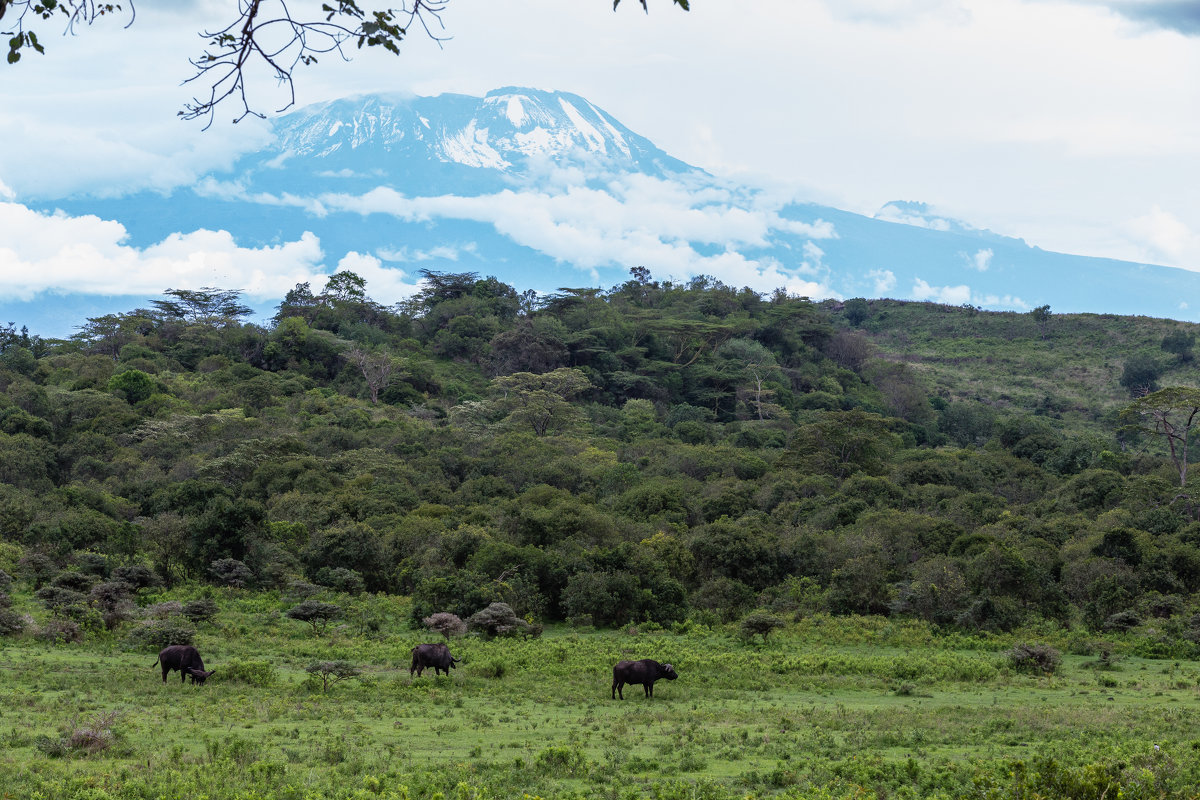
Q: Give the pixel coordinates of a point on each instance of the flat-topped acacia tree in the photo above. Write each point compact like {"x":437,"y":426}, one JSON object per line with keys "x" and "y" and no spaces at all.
{"x":1170,"y":413}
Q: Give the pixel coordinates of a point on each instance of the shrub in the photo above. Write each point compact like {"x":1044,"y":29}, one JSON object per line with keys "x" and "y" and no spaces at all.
{"x":562,"y":762}
{"x":61,"y":602}
{"x":498,"y":619}
{"x":6,"y":582}
{"x":114,"y":602}
{"x":92,"y":563}
{"x":139,"y":576}
{"x":163,"y":610}
{"x":332,"y":672}
{"x":446,"y":624}
{"x":492,"y":668}
{"x":302,"y":590}
{"x":200,"y":610}
{"x":75,"y":581}
{"x":158,"y":634}
{"x":1035,"y":658}
{"x":11,"y":623}
{"x":1122,"y":621}
{"x":252,"y":673}
{"x":315,"y":613}
{"x":61,"y":631}
{"x":230,"y":572}
{"x":341,"y":579}
{"x":759,"y":623}
{"x":90,"y":737}
{"x":95,"y":735}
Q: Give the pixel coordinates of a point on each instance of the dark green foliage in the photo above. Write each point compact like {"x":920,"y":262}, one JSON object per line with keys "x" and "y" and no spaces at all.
{"x":856,"y":310}
{"x":446,"y":624}
{"x":114,"y":601}
{"x":202,"y":609}
{"x":332,"y":672}
{"x":1140,"y":374}
{"x":249,"y":673}
{"x":230,"y":572}
{"x":139,"y":576}
{"x":133,"y":385}
{"x":645,"y":453}
{"x":498,"y":619}
{"x":759,"y":623}
{"x":340,"y":579}
{"x":1039,"y":658}
{"x":316,"y":613}
{"x":157,"y":634}
{"x":1179,"y":343}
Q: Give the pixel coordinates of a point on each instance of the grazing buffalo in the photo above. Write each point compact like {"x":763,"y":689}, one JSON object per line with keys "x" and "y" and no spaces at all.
{"x":432,"y":655}
{"x":186,"y":659}
{"x":645,"y":672}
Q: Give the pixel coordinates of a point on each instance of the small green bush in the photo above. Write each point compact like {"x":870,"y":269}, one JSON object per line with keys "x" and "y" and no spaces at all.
{"x":491,"y":668}
{"x":11,"y":623}
{"x":1040,"y":658}
{"x":200,"y":610}
{"x":61,"y":631}
{"x":158,"y":634}
{"x":251,"y":673}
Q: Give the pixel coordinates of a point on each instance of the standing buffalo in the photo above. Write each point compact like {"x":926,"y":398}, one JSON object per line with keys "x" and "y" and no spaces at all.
{"x":186,"y":659}
{"x":432,"y":655}
{"x":645,"y":672}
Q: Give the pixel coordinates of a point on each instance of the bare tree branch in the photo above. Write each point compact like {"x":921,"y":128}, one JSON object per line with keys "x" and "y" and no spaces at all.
{"x":267,"y":34}
{"x":264,"y":36}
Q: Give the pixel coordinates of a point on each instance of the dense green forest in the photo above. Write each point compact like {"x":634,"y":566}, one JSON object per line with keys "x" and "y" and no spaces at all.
{"x":664,"y":453}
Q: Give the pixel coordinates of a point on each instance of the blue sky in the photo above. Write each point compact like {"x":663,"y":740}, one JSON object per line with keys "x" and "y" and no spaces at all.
{"x":1074,"y":124}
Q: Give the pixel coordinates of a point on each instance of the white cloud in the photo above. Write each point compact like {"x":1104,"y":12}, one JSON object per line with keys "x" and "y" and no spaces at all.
{"x":384,"y":285}
{"x":884,"y":280}
{"x":61,"y":253}
{"x":948,"y":295}
{"x":1006,"y":302}
{"x":907,"y":216}
{"x":634,"y":220}
{"x":439,"y":253}
{"x":962,"y":295}
{"x":980,"y":261}
{"x":1166,"y":239}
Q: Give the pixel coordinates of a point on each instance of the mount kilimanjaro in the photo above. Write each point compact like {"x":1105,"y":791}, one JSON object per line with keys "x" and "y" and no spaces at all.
{"x":544,"y":190}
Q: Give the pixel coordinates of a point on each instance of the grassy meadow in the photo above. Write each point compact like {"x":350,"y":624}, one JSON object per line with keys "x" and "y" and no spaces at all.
{"x":828,"y":707}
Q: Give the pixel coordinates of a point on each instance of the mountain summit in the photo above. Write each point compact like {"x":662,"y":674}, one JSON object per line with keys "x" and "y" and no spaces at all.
{"x":414,"y":142}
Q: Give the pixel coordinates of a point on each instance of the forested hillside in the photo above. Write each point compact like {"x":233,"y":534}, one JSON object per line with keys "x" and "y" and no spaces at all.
{"x":658,"y":452}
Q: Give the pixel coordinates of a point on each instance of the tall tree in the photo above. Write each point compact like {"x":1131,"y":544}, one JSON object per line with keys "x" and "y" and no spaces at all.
{"x":541,"y":401}
{"x":207,"y":305}
{"x":1170,"y":413}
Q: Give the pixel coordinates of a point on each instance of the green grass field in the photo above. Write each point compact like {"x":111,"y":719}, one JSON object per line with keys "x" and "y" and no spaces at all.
{"x":828,"y":708}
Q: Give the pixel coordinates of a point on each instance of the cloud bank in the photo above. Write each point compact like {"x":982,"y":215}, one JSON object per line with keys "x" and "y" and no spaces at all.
{"x":89,"y":255}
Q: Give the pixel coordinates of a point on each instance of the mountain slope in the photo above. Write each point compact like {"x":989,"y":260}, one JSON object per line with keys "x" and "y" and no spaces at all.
{"x":543,"y":189}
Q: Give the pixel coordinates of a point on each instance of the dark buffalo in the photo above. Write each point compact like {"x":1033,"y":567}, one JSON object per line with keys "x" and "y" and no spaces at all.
{"x":645,"y":672}
{"x":432,"y":655}
{"x":186,"y":659}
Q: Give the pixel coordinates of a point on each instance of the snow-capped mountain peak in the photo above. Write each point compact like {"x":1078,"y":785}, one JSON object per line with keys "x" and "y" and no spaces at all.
{"x":500,"y":131}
